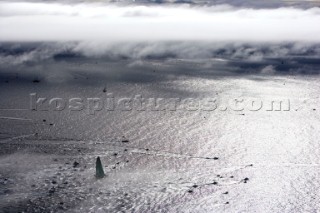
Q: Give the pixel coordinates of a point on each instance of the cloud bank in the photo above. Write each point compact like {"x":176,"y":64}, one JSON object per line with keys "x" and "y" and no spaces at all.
{"x":19,"y":53}
{"x":26,"y":21}
{"x":268,"y":41}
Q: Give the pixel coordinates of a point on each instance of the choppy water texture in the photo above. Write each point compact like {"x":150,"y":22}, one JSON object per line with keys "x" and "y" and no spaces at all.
{"x":158,"y":161}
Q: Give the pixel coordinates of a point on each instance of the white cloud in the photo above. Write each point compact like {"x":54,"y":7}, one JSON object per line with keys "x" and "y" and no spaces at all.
{"x":106,"y":23}
{"x":268,"y":70}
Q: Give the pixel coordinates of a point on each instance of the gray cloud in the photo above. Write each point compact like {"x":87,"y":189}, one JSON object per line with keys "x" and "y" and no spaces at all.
{"x":237,"y":3}
{"x":283,"y":57}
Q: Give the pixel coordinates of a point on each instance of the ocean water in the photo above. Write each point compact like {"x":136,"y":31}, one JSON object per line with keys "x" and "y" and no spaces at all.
{"x":197,"y":144}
